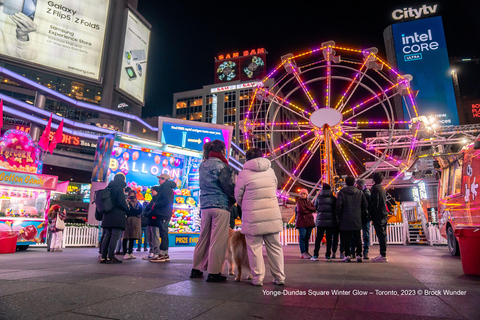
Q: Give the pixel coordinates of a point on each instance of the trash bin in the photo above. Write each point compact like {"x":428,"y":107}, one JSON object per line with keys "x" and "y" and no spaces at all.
{"x":469,"y":243}
{"x":8,"y":241}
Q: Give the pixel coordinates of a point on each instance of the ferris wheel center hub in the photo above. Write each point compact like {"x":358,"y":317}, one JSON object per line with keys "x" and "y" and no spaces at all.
{"x":324,"y":116}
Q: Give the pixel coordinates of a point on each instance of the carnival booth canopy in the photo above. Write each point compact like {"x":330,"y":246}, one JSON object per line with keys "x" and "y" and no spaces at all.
{"x":24,"y":191}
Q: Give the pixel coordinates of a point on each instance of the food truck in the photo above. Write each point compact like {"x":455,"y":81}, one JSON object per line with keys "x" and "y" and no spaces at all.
{"x":24,"y":191}
{"x":459,"y":193}
{"x":177,"y":153}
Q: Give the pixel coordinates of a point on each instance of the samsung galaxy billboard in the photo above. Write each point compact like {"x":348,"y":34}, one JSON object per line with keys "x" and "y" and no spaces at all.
{"x":421,"y":51}
{"x":64,"y":35}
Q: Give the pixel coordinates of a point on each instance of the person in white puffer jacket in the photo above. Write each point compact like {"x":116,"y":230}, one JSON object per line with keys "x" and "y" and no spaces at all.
{"x":255,"y":192}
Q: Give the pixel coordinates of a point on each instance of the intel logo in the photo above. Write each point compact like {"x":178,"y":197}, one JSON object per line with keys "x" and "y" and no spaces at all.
{"x":418,"y":42}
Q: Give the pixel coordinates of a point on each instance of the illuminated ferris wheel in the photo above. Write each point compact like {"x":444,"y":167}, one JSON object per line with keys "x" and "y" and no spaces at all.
{"x":322,"y":106}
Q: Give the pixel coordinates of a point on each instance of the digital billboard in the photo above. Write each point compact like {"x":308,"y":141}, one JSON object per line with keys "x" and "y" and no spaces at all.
{"x":192,"y":137}
{"x":251,"y":65}
{"x":133,"y":69}
{"x":421,"y":51}
{"x":143,"y":167}
{"x":65,"y":35}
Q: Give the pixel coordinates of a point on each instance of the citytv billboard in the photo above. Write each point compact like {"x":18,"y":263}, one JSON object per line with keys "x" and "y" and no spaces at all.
{"x":421,"y":51}
{"x":64,"y":35}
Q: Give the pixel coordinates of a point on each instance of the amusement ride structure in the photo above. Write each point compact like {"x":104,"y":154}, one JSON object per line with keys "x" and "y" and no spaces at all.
{"x":329,"y":101}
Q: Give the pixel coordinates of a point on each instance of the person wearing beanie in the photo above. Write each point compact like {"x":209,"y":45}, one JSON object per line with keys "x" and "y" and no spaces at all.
{"x":114,"y":221}
{"x":153,"y":233}
{"x":351,"y":205}
{"x":325,"y":222}
{"x":305,"y":222}
{"x":162,"y":210}
{"x":360,"y":184}
{"x":378,"y":212}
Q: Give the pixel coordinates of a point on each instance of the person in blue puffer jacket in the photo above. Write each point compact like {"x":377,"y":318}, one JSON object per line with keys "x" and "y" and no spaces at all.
{"x":216,"y":198}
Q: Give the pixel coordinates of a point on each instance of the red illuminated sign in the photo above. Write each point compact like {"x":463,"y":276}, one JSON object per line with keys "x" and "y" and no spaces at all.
{"x":476,"y":110}
{"x":245,"y":53}
{"x":66,"y":139}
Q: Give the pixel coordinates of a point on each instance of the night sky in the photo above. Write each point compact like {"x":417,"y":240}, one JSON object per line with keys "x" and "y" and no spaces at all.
{"x":187,"y":35}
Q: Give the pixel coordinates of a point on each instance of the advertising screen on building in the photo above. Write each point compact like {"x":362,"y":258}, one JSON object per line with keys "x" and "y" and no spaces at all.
{"x":65,"y":35}
{"x":192,"y":137}
{"x":133,"y":70}
{"x":246,"y":67}
{"x":421,"y":51}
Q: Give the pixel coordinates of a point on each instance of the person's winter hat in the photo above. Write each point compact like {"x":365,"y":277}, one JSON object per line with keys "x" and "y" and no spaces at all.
{"x":156,"y":188}
{"x":361,"y":183}
{"x":304,"y":191}
{"x":164,"y":176}
{"x":119,"y":177}
{"x":55,"y":207}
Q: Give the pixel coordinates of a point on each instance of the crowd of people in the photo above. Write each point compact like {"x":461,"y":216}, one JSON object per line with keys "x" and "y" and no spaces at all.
{"x":254,"y":197}
{"x":348,"y":215}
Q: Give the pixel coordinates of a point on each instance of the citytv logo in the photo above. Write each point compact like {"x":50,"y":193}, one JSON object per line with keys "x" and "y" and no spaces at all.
{"x":413,"y":45}
{"x":406,"y":13}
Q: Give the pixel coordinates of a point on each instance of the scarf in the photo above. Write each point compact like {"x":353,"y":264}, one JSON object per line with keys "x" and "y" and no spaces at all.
{"x":218,"y":155}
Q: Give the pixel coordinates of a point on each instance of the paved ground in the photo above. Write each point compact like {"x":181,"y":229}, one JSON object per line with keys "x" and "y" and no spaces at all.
{"x":72,"y":285}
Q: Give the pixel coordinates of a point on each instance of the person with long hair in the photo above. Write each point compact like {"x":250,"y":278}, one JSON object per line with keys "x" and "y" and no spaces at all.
{"x":305,"y":222}
{"x":133,"y":227}
{"x":216,"y":198}
{"x":54,"y":213}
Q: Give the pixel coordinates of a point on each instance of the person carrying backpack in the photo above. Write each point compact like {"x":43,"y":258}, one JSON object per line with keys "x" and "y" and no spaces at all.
{"x":114,"y":221}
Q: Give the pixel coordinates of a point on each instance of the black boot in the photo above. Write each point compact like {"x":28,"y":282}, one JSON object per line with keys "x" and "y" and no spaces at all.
{"x":196,"y":274}
{"x":216,"y":277}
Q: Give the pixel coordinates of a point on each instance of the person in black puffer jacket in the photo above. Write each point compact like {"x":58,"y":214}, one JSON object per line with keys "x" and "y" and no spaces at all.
{"x":351,"y":205}
{"x":114,"y":221}
{"x":325,"y":221}
{"x":162,"y":210}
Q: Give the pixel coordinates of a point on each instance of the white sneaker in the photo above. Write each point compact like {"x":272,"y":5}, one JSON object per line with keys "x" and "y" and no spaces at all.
{"x":305,"y":256}
{"x":278,"y":282}
{"x":127,"y":256}
{"x":380,"y":258}
{"x":346,"y":259}
{"x":359,"y":259}
{"x":150,"y":256}
{"x":132,"y":256}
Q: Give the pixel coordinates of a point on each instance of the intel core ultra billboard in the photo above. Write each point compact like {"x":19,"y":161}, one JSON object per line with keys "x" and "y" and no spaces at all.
{"x":421,"y":51}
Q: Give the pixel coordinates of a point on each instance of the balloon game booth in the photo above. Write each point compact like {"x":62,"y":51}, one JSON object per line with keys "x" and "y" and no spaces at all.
{"x":24,"y":192}
{"x":178,"y":154}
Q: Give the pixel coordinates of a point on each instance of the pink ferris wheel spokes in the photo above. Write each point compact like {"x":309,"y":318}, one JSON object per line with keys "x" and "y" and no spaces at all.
{"x":319,"y":111}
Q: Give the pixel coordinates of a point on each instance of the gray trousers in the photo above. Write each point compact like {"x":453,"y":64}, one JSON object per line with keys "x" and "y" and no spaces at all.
{"x":153,"y":234}
{"x":211,"y":247}
{"x":274,"y":254}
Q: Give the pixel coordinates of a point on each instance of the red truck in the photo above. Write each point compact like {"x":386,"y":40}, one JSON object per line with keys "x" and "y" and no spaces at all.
{"x":459,"y":193}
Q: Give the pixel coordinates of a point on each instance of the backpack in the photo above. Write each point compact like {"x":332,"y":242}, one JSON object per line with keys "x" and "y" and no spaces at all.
{"x":103,"y":201}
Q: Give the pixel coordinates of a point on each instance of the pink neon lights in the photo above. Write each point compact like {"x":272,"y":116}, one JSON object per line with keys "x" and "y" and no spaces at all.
{"x":302,"y":84}
{"x":294,"y":126}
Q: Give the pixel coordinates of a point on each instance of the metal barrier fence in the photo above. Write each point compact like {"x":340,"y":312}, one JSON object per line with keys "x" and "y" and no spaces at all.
{"x":77,"y":237}
{"x":396,"y":234}
{"x":434,"y":236}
